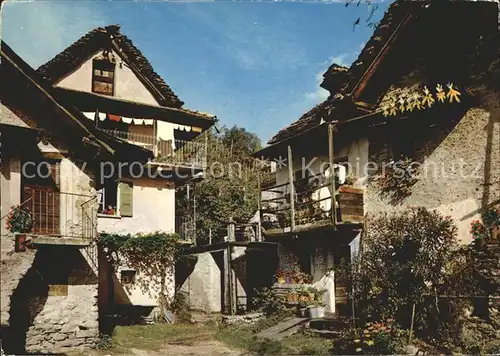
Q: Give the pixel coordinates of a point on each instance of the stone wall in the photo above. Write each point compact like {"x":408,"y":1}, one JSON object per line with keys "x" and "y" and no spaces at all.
{"x":463,"y":169}
{"x":204,"y":284}
{"x":68,"y":321}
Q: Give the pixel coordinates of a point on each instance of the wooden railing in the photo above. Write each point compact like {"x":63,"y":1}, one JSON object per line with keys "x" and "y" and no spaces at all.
{"x":312,"y":205}
{"x":176,"y":152}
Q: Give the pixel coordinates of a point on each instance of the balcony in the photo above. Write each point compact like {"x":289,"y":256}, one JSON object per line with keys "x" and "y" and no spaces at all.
{"x":185,"y":228}
{"x":311,"y":208}
{"x":61,"y":218}
{"x":173,"y":152}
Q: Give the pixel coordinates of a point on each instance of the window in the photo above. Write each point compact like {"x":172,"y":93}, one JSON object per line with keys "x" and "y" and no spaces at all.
{"x":108,"y":203}
{"x":116,"y":199}
{"x":103,"y":77}
{"x":127,"y":277}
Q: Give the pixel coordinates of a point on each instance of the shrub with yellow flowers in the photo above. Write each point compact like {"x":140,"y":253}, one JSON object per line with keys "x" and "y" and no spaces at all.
{"x":383,"y":337}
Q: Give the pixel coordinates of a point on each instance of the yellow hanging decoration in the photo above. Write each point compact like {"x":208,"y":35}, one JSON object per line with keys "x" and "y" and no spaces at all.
{"x":402,"y":102}
{"x":392,"y":109}
{"x":428,"y":99}
{"x":385,"y":109}
{"x":440,"y":95}
{"x":416,"y":101}
{"x":453,"y":94}
{"x":409,"y":106}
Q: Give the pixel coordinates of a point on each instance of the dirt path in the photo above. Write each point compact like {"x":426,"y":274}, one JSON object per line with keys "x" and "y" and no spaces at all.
{"x":203,"y":347}
{"x":198,"y":348}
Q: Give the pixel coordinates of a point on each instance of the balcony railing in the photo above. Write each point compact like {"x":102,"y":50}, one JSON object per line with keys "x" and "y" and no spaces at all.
{"x":185,"y":228}
{"x":60,"y":214}
{"x":312,"y":205}
{"x":175,"y":152}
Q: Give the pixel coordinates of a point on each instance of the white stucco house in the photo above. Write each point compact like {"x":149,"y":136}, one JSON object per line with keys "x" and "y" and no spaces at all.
{"x":105,"y":76}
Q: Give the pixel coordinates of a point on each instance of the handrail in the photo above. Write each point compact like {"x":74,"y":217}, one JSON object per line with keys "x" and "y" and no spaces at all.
{"x":16,"y":207}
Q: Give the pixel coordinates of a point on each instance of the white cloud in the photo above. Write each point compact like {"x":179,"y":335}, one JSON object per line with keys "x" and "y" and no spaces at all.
{"x":341,"y":60}
{"x":320,"y":94}
{"x":38,"y":30}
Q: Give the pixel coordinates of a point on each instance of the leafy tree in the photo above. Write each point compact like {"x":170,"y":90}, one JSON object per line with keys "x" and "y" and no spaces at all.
{"x":230,"y":187}
{"x":240,"y":141}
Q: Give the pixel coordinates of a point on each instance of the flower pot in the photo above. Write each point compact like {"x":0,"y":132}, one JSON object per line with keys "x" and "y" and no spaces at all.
{"x":316,"y":311}
{"x":303,"y":312}
{"x":20,"y":243}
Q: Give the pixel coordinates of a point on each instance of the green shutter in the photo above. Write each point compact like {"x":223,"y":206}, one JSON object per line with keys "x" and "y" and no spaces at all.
{"x":126,"y":198}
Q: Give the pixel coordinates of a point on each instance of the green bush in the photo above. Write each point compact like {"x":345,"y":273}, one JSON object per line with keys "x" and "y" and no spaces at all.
{"x":268,"y":301}
{"x":409,"y":259}
{"x":180,"y":307}
{"x":375,"y":339}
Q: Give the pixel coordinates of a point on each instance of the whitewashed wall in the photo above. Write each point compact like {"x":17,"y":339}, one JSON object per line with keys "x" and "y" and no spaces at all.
{"x":153,"y":210}
{"x":127,"y":85}
{"x":10,"y":180}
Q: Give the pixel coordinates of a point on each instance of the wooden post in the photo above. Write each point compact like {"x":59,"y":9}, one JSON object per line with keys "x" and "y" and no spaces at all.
{"x":259,"y":192}
{"x":292,"y":189}
{"x":231,"y":230}
{"x":332,"y":163}
{"x":411,"y":325}
{"x":227,"y":280}
{"x":206,"y":152}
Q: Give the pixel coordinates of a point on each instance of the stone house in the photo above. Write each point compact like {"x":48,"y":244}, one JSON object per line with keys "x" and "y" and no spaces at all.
{"x":108,"y":78}
{"x":394,"y":101}
{"x":50,"y":164}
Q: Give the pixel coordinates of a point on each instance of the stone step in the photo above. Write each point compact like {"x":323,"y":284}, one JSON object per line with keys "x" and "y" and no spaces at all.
{"x":327,"y":334}
{"x":329,"y":324}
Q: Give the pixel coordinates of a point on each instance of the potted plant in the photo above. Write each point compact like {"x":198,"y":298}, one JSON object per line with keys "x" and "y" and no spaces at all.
{"x":479,"y":233}
{"x":20,"y":221}
{"x":317,"y":307}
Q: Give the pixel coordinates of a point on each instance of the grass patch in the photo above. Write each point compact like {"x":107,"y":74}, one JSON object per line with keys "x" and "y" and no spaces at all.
{"x":154,"y":337}
{"x":302,"y":343}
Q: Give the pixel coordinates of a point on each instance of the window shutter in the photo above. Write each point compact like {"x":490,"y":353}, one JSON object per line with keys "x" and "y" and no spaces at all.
{"x":126,"y":198}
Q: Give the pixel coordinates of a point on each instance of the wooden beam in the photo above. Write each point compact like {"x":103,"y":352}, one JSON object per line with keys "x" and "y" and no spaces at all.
{"x":292,"y":189}
{"x":361,"y":84}
{"x":331,"y":155}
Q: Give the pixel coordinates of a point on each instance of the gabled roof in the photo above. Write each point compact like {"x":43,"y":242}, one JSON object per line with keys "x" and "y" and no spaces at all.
{"x":109,"y":37}
{"x":347,"y":87}
{"x":28,"y":91}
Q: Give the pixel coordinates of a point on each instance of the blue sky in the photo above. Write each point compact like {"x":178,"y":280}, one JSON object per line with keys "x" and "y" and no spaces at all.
{"x":253,"y":64}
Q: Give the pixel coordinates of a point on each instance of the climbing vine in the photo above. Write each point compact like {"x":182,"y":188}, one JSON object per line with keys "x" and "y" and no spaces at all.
{"x":153,"y":256}
{"x":397,"y":179}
